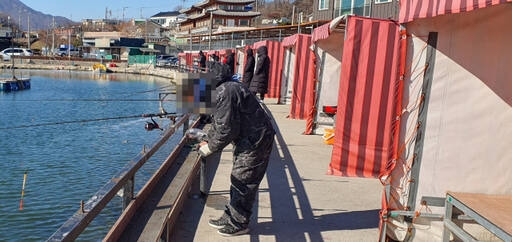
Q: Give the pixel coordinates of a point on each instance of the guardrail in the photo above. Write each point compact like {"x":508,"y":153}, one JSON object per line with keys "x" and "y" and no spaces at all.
{"x":58,"y":58}
{"x":124,"y":180}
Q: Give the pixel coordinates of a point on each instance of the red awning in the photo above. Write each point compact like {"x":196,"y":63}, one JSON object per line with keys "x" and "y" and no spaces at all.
{"x":321,"y":32}
{"x":290,"y":40}
{"x":260,"y":43}
{"x":416,"y":9}
{"x":367,"y":98}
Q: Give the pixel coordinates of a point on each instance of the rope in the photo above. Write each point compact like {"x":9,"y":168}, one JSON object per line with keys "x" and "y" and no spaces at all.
{"x":85,"y":121}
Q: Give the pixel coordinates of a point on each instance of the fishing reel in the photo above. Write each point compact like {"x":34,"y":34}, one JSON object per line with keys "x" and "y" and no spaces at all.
{"x":150,"y":126}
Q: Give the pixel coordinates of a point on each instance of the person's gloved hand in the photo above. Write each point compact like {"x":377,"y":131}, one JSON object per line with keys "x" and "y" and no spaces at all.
{"x":204,"y":150}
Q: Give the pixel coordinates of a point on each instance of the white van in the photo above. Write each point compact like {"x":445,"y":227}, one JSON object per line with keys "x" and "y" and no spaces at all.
{"x":7,"y":53}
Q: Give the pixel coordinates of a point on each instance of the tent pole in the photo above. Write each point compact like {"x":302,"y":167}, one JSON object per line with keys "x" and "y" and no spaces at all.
{"x":422,"y":118}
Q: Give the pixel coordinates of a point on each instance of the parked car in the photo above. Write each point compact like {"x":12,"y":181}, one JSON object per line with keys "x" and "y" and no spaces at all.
{"x":174,"y":62}
{"x":7,"y":53}
{"x":164,"y":60}
{"x":63,"y":52}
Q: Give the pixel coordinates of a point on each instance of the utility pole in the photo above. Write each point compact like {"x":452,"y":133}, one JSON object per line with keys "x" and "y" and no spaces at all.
{"x":28,"y":30}
{"x":19,"y":23}
{"x":299,"y":22}
{"x":46,"y":42}
{"x":124,"y":9}
{"x":69,"y":43}
{"x":53,"y":37}
{"x":210,"y":32}
{"x":293,"y":14}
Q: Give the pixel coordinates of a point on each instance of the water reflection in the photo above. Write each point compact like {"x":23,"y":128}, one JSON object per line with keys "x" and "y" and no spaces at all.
{"x":84,"y":75}
{"x":69,"y":163}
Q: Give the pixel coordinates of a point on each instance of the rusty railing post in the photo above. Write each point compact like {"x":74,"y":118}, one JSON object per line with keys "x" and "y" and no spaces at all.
{"x":185,"y":125}
{"x":128,"y":192}
{"x":202,"y":178}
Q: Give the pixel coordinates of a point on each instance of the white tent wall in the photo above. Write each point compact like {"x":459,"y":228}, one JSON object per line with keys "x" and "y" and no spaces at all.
{"x":288,"y":75}
{"x":328,"y":53}
{"x":468,"y":128}
{"x":240,"y":60}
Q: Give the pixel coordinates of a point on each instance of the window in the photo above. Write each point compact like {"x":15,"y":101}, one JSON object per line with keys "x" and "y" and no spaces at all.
{"x":244,"y":22}
{"x":356,"y":7}
{"x":218,"y":21}
{"x":231,"y":22}
{"x":323,"y":4}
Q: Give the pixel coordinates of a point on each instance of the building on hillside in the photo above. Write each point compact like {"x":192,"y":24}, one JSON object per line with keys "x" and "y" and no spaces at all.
{"x":167,"y":19}
{"x":330,"y":9}
{"x":110,"y":45}
{"x":223,"y":15}
{"x":6,"y":32}
{"x":149,"y":30}
{"x":99,"y":24}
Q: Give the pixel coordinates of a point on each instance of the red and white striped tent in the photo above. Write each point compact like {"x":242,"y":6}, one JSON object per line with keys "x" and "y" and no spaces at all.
{"x":457,"y":108}
{"x":182,"y":58}
{"x":327,"y":47}
{"x":370,"y":90}
{"x":294,"y":80}
{"x":275,"y":54}
{"x":240,"y":59}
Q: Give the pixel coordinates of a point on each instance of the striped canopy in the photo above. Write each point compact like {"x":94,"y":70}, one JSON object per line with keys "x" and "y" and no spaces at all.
{"x":416,"y":9}
{"x":367,"y":98}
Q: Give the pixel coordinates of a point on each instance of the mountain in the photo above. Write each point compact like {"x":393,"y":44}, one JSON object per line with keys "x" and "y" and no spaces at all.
{"x":38,"y":20}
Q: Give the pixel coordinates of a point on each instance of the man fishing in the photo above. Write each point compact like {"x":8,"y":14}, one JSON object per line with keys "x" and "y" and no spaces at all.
{"x":239,"y":119}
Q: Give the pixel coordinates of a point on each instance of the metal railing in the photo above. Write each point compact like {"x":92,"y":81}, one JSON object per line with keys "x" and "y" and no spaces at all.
{"x":123,"y":180}
{"x":224,"y":44}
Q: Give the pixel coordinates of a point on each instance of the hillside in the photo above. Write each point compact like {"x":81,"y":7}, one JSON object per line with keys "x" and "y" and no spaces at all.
{"x":38,"y":20}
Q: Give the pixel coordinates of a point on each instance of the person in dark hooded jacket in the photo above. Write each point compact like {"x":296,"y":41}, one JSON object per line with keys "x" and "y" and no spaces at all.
{"x":202,"y":61}
{"x":241,"y":120}
{"x":259,"y":83}
{"x":249,"y":68}
{"x":230,"y":61}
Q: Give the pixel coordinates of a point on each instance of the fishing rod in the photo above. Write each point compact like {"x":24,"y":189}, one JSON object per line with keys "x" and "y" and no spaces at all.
{"x":93,"y":100}
{"x":91,"y":120}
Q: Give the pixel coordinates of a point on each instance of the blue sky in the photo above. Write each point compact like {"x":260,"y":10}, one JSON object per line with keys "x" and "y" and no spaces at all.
{"x":81,"y":9}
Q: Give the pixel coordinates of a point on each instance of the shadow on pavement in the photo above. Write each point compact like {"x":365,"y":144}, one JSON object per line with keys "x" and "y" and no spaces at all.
{"x":298,"y":223}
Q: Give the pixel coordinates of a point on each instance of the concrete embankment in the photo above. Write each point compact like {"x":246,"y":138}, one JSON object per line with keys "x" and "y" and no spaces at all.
{"x":142,"y":69}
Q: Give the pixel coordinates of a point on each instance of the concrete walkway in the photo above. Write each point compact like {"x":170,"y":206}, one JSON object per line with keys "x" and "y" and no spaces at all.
{"x":297,"y":201}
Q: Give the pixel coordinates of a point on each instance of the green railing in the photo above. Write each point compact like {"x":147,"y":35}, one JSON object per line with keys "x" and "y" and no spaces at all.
{"x":142,"y":59}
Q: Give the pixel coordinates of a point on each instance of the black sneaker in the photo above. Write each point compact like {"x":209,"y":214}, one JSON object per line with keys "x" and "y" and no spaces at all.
{"x":219,"y":223}
{"x":230,"y":230}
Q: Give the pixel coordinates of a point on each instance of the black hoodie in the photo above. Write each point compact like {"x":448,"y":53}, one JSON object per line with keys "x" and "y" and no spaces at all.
{"x":249,"y":68}
{"x":259,"y":83}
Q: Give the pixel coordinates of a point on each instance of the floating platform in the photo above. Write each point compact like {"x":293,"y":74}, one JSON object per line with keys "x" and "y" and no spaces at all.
{"x":14,"y":84}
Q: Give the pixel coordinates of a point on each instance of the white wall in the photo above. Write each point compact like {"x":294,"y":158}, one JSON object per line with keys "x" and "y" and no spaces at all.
{"x":469,"y":120}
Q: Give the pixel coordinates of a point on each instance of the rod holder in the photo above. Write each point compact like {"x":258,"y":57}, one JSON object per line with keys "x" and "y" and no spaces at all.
{"x":82,"y":210}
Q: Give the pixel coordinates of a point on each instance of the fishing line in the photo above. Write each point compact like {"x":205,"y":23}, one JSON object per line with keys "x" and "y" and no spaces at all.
{"x":87,"y":121}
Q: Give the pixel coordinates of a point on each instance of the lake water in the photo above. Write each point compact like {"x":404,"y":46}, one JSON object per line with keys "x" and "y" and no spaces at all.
{"x":69,"y":163}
